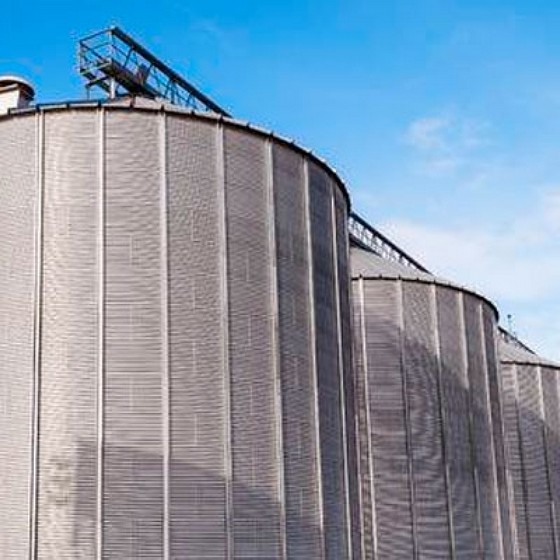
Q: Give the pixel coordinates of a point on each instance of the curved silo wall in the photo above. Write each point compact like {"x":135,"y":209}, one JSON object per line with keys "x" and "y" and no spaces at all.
{"x":180,"y":284}
{"x":428,"y":445}
{"x":532,"y":427}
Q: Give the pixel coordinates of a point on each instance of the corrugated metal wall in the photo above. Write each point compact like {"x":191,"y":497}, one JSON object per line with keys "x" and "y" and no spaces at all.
{"x":191,"y":289}
{"x":18,"y":208}
{"x":531,"y":408}
{"x":424,"y":359}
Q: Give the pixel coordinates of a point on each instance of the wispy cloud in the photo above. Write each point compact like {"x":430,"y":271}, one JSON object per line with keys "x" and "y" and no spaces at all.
{"x":445,"y":143}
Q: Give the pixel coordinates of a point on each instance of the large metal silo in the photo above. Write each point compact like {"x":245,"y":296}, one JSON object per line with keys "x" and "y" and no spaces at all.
{"x":430,"y":435}
{"x":174,"y":318}
{"x":532,"y":427}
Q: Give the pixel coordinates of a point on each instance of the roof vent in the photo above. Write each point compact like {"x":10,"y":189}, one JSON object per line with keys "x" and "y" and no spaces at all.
{"x":15,"y":93}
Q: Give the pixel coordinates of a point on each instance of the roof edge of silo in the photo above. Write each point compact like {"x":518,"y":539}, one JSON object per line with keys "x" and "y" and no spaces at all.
{"x":396,"y":271}
{"x":517,"y":354}
{"x":148,"y":105}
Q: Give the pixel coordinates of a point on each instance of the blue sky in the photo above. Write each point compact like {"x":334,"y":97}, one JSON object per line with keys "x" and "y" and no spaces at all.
{"x":443,"y":117}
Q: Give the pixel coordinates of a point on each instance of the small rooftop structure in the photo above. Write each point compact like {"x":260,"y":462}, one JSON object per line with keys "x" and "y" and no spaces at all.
{"x":15,"y":93}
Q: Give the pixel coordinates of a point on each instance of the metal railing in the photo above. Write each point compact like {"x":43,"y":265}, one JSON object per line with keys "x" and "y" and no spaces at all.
{"x":366,"y":235}
{"x":114,"y":62}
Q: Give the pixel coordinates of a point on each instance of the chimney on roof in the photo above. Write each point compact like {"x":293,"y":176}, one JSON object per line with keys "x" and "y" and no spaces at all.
{"x":15,"y":93}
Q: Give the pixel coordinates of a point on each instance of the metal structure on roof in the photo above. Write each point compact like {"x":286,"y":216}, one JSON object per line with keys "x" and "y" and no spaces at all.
{"x":114,"y":62}
{"x":367,"y":236}
{"x":511,"y":338}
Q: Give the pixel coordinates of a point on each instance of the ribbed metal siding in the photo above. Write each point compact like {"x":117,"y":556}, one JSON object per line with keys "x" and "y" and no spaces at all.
{"x":515,"y":460}
{"x":495,"y":391}
{"x":458,"y":430}
{"x":133,"y":462}
{"x":343,"y":276}
{"x":531,"y":423}
{"x":303,"y":530}
{"x":531,"y":426}
{"x":444,"y":458}
{"x":69,"y":345}
{"x":482,"y":429}
{"x":256,"y":530}
{"x":181,"y":277}
{"x":328,"y":365}
{"x":389,"y":459}
{"x":432,"y":528}
{"x":363,"y":439}
{"x":551,"y":402}
{"x":197,"y":475}
{"x":18,"y":188}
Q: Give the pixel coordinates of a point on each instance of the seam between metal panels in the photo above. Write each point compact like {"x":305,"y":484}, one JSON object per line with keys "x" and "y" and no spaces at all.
{"x":510,"y":486}
{"x":369,"y":432}
{"x":341,"y":372}
{"x":314,"y":355}
{"x":164,"y":287}
{"x":546,"y":460}
{"x":491,"y":426}
{"x":466,"y":371}
{"x":509,"y":505}
{"x":524,"y":488}
{"x":408,"y":428}
{"x":443,"y":418}
{"x":273,"y":269}
{"x":228,"y":463}
{"x":37,"y":327}
{"x":100,"y":329}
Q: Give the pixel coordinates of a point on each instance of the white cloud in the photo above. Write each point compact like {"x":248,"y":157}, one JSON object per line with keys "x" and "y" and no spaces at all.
{"x":444,"y":144}
{"x":427,"y":133}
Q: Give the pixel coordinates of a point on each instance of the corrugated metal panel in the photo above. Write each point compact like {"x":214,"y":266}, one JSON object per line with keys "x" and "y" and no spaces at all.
{"x":458,"y":436}
{"x":68,"y":433}
{"x":17,"y":211}
{"x":341,"y":215}
{"x":365,"y":479}
{"x":482,"y":428}
{"x":197,"y":408}
{"x":537,"y":496}
{"x":388,"y":426}
{"x":330,"y":398}
{"x":550,"y":378}
{"x":133,"y":475}
{"x":108,"y":446}
{"x":494,"y":386}
{"x":426,"y":430}
{"x":299,"y":428}
{"x":515,"y":459}
{"x":257,"y":531}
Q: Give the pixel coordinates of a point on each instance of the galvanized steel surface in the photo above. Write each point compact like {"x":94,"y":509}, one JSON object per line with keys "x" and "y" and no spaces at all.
{"x":532,"y":427}
{"x":428,"y":445}
{"x":187,"y":301}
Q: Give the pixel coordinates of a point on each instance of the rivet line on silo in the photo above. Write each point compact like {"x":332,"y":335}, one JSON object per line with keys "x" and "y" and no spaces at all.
{"x":443,"y":417}
{"x":407,"y":422}
{"x":313,"y":319}
{"x":164,"y":286}
{"x":37,"y":330}
{"x":341,"y":370}
{"x":273,"y":268}
{"x":101,"y":331}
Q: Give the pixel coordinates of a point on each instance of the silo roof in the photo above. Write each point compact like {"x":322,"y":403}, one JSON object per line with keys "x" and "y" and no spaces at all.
{"x":157,"y":105}
{"x":511,"y":353}
{"x":366,"y":264}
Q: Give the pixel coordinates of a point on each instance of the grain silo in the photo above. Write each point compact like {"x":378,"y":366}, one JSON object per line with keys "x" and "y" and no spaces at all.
{"x":532,"y":428}
{"x":430,"y":434}
{"x":173,"y":313}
